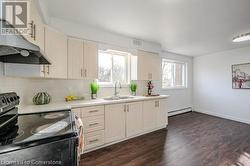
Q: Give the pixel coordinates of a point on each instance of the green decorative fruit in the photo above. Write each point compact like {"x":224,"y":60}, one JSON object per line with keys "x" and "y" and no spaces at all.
{"x":41,"y":98}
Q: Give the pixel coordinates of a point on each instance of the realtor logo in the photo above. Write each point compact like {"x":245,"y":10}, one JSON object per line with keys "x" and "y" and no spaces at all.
{"x":16,"y":15}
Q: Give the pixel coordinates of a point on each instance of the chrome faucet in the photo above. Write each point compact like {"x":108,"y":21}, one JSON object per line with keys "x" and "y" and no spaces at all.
{"x":117,"y":83}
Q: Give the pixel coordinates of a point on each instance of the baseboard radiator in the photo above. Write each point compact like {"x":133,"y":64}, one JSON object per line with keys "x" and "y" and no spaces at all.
{"x":180,"y":111}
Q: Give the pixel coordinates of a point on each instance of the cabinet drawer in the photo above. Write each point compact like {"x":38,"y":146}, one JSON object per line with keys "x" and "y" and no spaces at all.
{"x":92,"y":111}
{"x":93,"y":123}
{"x":94,"y":139}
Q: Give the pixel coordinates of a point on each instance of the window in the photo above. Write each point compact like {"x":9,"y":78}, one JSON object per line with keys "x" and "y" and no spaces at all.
{"x":113,"y":66}
{"x":174,"y":74}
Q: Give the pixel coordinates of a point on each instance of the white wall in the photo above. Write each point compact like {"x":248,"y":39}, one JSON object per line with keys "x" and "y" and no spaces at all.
{"x":91,"y":33}
{"x":213,"y":93}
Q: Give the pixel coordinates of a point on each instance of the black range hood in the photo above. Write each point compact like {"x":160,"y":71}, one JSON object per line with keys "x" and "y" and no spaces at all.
{"x":16,"y":49}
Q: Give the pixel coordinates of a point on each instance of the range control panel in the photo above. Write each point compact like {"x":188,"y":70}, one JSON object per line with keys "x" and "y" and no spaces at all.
{"x":8,"y":101}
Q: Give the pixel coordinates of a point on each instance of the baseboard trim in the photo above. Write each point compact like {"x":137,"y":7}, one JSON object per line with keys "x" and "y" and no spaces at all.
{"x":180,"y":111}
{"x":224,"y":116}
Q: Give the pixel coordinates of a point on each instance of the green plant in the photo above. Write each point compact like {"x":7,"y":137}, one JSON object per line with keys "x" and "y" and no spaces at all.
{"x":133,"y":87}
{"x":94,"y":87}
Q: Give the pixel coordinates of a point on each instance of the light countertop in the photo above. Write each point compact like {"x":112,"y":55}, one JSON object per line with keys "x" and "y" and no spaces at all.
{"x":55,"y":106}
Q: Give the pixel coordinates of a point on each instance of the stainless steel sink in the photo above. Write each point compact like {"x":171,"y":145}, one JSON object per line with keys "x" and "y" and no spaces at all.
{"x":118,"y":98}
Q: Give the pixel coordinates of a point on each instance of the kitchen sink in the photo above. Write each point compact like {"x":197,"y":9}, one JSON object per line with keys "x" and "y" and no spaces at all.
{"x":118,"y":98}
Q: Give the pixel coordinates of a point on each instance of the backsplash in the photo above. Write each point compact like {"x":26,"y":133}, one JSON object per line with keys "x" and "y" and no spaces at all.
{"x":58,"y":89}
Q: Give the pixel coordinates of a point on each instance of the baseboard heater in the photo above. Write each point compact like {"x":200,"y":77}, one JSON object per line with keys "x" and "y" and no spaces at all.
{"x":180,"y":111}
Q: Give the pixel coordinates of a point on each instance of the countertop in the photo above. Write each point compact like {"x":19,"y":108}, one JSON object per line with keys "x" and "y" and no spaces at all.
{"x":55,"y":106}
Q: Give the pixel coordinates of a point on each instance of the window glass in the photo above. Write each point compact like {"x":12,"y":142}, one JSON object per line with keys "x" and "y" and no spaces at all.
{"x":173,"y":74}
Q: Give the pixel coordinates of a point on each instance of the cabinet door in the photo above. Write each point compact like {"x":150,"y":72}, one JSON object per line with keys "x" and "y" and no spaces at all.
{"x":149,"y":66}
{"x":149,"y":115}
{"x":90,"y":60}
{"x":134,"y":119}
{"x":114,"y":122}
{"x":162,"y":114}
{"x":56,"y":51}
{"x":37,"y":29}
{"x":75,"y":58}
{"x":144,"y":65}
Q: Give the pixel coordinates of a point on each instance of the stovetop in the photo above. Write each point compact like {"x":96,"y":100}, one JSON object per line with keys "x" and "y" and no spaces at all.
{"x":32,"y":129}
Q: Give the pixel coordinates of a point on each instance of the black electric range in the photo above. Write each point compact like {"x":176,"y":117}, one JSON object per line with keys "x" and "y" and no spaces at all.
{"x":36,"y":137}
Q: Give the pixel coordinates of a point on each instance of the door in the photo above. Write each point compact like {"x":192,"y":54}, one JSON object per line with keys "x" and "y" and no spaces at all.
{"x":162,"y":117}
{"x":90,"y":60}
{"x":114,"y":122}
{"x":75,"y":58}
{"x":56,"y":51}
{"x":149,"y":115}
{"x":134,"y":119}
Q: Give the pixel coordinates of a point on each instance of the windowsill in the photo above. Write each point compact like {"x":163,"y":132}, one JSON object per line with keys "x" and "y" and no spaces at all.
{"x":112,"y":86}
{"x":175,"y":88}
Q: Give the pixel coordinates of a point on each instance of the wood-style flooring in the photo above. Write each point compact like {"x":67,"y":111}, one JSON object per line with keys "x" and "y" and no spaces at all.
{"x":192,"y":139}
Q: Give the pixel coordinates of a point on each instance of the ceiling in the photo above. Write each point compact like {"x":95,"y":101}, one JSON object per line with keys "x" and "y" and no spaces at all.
{"x":188,"y":27}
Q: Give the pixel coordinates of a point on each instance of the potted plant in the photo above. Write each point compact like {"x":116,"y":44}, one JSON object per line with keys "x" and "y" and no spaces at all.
{"x":94,"y":89}
{"x":133,"y":88}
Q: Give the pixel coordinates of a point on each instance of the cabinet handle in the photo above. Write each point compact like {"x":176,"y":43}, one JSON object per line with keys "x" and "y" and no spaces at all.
{"x":81,"y":72}
{"x":124,"y":108}
{"x":48,"y":69}
{"x":127,"y":108}
{"x":85,"y":73}
{"x":34,"y":31}
{"x":43,"y":70}
{"x":150,"y":76}
{"x":157,"y":103}
{"x":93,"y":111}
{"x":93,"y":124}
{"x":92,"y":141}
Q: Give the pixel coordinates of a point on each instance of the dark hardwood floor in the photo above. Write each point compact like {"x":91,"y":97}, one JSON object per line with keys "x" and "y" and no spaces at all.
{"x":192,"y":139}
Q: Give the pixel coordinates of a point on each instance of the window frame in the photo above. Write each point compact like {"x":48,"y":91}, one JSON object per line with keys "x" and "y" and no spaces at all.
{"x":127,"y":56}
{"x":185,"y":86}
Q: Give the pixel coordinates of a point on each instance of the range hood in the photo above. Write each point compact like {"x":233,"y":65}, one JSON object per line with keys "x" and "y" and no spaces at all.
{"x":16,"y":49}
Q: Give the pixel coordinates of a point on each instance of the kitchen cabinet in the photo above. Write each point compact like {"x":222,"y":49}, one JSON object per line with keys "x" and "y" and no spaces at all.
{"x":148,"y":66}
{"x":150,"y":109}
{"x":82,"y":59}
{"x":35,"y":36}
{"x":90,"y":60}
{"x":56,"y":51}
{"x":36,"y":24}
{"x":154,"y":114}
{"x":133,"y":119}
{"x":123,"y":120}
{"x":75,"y":58}
{"x":162,"y":114}
{"x":115,"y":122}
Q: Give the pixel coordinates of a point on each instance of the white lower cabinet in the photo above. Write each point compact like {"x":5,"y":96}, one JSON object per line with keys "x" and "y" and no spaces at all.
{"x":115,"y":122}
{"x":149,"y":115}
{"x":154,"y":114}
{"x":104,"y":125}
{"x":134,"y":119}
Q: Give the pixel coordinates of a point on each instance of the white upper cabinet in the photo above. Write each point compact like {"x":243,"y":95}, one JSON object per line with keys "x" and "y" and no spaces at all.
{"x":90,"y":60}
{"x":36,"y":25}
{"x":75,"y":59}
{"x":148,"y":66}
{"x":56,"y":51}
{"x":82,"y":59}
